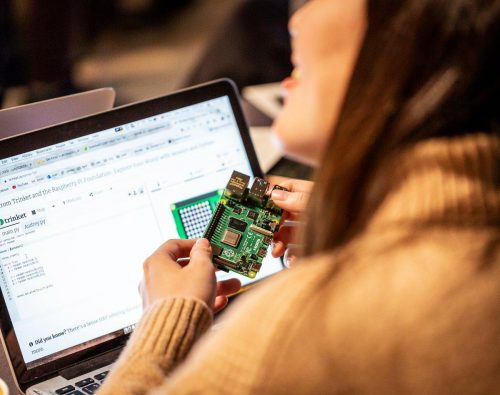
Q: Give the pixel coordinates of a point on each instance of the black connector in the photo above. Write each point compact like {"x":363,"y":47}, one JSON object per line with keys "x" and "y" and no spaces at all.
{"x":213,"y":223}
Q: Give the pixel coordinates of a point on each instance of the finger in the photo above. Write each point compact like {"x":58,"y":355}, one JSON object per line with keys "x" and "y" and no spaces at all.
{"x":228,"y":287}
{"x":288,"y":216}
{"x":175,"y":248}
{"x":201,"y":253}
{"x":294,"y":185}
{"x":295,"y":202}
{"x":220,"y":302}
{"x":285,"y":234}
{"x":279,"y":249}
{"x":281,"y":239}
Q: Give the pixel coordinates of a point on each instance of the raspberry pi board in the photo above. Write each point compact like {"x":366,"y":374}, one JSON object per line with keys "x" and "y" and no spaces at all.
{"x":243,"y":225}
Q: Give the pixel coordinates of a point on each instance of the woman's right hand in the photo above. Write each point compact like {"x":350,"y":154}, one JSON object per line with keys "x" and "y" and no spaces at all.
{"x":293,"y":203}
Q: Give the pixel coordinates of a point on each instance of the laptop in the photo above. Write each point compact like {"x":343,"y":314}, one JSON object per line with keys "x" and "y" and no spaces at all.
{"x":83,"y":203}
{"x":45,"y":113}
{"x":267,"y":98}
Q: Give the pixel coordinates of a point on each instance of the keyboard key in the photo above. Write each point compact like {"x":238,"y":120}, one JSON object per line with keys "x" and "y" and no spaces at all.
{"x":101,"y":376}
{"x":84,"y":382}
{"x":76,"y":393}
{"x":90,"y":389}
{"x":65,"y":390}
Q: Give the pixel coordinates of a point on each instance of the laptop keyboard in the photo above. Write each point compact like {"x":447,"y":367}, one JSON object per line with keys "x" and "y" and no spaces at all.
{"x":85,"y":386}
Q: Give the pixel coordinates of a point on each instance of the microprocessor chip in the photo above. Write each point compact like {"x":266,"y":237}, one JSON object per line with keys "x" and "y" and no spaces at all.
{"x":256,"y":266}
{"x":237,"y":224}
{"x":252,"y":215}
{"x":231,"y":238}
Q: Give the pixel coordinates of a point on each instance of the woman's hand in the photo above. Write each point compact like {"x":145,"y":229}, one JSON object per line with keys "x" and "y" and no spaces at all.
{"x":165,"y":277}
{"x":293,"y":203}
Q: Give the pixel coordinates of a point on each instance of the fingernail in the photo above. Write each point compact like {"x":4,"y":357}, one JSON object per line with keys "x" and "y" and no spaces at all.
{"x":203,"y":243}
{"x":278,"y":194}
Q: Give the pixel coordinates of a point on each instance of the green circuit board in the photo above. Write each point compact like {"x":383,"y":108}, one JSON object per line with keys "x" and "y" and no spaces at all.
{"x":193,"y":215}
{"x":243,"y":225}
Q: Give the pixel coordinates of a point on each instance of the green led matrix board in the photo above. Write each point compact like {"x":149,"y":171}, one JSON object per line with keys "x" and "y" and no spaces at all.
{"x":193,"y":215}
{"x":243,"y":225}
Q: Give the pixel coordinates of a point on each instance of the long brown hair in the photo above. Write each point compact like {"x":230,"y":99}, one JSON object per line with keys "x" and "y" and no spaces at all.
{"x":426,"y":68}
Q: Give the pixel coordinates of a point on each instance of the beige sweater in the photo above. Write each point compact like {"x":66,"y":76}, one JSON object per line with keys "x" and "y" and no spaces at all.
{"x":412,"y":306}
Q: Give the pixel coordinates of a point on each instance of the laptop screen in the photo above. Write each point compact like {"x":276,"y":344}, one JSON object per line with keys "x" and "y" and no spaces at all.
{"x":78,"y":218}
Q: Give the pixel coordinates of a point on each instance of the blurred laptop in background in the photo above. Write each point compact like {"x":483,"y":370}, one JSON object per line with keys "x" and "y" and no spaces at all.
{"x":22,"y":119}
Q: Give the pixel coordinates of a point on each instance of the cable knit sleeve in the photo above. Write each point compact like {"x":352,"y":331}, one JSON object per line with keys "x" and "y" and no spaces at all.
{"x":161,"y":340}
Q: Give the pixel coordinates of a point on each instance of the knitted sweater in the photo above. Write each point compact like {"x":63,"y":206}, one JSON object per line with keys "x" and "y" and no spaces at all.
{"x":410,"y":306}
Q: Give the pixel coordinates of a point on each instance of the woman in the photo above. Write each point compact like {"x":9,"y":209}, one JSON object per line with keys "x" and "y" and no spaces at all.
{"x":398,"y":286}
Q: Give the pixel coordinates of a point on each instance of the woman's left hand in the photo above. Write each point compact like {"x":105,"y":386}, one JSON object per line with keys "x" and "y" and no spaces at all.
{"x":165,"y":277}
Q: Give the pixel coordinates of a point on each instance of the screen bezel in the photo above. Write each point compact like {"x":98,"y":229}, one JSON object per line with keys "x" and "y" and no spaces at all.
{"x":84,"y":126}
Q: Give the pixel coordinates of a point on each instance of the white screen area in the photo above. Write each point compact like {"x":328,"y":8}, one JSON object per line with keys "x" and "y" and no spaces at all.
{"x":77,"y":220}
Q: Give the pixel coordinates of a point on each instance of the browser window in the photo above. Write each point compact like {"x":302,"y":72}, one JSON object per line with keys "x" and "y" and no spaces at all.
{"x":77,"y":220}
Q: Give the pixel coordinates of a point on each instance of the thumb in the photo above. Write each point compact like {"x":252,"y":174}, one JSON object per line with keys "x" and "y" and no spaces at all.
{"x":201,"y":253}
{"x":294,"y":202}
